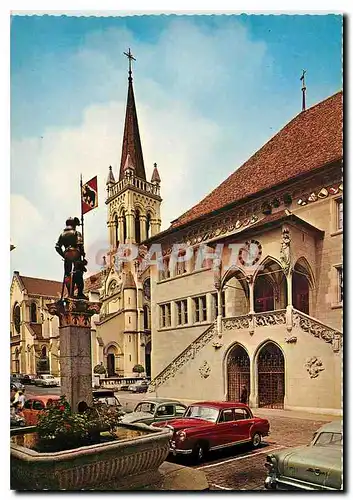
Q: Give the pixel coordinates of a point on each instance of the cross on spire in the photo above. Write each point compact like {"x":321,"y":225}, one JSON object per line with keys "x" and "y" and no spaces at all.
{"x":130,"y":57}
{"x":302,"y":78}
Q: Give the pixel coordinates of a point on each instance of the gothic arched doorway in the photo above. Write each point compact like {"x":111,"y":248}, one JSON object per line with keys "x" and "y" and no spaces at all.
{"x":270,"y":376}
{"x":111,"y":365}
{"x":238,"y":372}
{"x":148,"y":359}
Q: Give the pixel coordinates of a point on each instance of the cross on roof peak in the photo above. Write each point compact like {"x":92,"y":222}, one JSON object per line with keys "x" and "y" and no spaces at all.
{"x":131,"y":58}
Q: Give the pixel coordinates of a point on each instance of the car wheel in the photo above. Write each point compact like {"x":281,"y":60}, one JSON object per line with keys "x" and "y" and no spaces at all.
{"x":198,"y":452}
{"x":256,"y":440}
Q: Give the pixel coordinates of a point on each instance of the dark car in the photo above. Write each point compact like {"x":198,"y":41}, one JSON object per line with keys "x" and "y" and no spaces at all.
{"x":139,"y":386}
{"x":155,"y":410}
{"x":108,"y":397}
{"x":213,"y":425}
{"x":28,"y":379}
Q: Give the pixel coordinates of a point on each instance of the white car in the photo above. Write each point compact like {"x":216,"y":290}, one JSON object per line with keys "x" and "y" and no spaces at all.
{"x":46,"y":381}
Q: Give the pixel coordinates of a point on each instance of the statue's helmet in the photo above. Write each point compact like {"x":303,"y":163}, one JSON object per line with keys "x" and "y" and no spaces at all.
{"x":73,"y":221}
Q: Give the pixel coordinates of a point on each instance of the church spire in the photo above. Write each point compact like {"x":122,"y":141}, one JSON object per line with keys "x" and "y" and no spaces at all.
{"x":131,"y":140}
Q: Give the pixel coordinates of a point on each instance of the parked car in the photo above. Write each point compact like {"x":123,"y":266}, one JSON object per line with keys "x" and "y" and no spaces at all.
{"x":317,"y":466}
{"x":15,"y":385}
{"x":46,"y":381}
{"x":28,"y":379}
{"x":212,"y":425}
{"x":108,"y":397}
{"x":155,"y":410}
{"x":34,"y":406}
{"x":16,"y":420}
{"x":139,"y":386}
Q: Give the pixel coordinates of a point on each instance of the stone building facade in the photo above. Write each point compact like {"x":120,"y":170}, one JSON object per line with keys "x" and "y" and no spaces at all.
{"x":34,"y":333}
{"x":259,"y":303}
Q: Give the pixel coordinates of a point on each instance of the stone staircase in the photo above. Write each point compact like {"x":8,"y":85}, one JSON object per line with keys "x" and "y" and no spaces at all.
{"x":250,"y":321}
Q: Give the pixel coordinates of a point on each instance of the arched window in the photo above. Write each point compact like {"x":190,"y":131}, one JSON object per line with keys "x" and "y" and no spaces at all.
{"x":33,"y":313}
{"x":146,"y":318}
{"x":17,"y":317}
{"x":43,"y":352}
{"x":116,"y":222}
{"x":148,"y":225}
{"x":263,"y":295}
{"x":137,"y":227}
{"x":124,"y":227}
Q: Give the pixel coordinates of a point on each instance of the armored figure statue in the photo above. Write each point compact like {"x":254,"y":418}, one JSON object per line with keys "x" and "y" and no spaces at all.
{"x":74,"y":257}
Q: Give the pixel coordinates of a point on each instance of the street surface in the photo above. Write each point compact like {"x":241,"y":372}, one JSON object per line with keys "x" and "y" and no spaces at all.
{"x":238,"y":468}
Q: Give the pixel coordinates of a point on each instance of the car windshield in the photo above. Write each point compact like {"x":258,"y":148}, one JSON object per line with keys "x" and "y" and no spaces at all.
{"x":329,"y":439}
{"x":111,"y":401}
{"x":203,"y":412}
{"x":47,"y":376}
{"x":146,"y":407}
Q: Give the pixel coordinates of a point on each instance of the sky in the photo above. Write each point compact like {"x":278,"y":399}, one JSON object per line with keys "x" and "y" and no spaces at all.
{"x":209,"y":90}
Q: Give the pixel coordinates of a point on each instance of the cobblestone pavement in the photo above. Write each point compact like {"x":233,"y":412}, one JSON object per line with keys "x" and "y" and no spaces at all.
{"x":242,"y":468}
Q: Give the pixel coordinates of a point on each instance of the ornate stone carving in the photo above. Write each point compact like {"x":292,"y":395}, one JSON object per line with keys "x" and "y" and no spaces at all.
{"x":314,"y":366}
{"x":271,"y":318}
{"x":238,"y":322}
{"x":291,"y":340}
{"x":285,"y":252}
{"x":319,"y":330}
{"x":205,"y":370}
{"x":187,"y":355}
{"x":74,"y":312}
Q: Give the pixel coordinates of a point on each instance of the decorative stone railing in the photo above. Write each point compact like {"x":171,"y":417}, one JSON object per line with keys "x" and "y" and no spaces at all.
{"x":136,"y":182}
{"x":178,"y":362}
{"x":270,"y":318}
{"x":318,"y":329}
{"x":237,"y":322}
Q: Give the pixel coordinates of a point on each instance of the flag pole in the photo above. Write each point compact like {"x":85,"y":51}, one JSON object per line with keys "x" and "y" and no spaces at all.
{"x":81,"y":208}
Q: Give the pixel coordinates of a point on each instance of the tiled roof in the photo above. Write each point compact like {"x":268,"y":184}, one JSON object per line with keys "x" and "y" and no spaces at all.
{"x":39,"y":286}
{"x":93,"y":282}
{"x":311,"y":140}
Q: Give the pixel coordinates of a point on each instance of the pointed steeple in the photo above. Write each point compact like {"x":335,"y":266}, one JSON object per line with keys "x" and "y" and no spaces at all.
{"x":110,"y":178}
{"x":155,"y":175}
{"x":131,"y":140}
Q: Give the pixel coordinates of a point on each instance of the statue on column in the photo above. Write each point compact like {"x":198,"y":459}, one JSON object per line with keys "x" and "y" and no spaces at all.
{"x":70,"y":247}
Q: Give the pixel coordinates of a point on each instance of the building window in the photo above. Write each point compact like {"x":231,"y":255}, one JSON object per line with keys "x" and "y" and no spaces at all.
{"x":215,"y":304}
{"x":200,"y":308}
{"x":137,"y":227}
{"x":165,"y":310}
{"x":146,"y":318}
{"x":182,"y":312}
{"x":165,"y":273}
{"x":17,"y":317}
{"x":148,"y":225}
{"x":340,"y":283}
{"x":181,"y":266}
{"x":33,"y":313}
{"x":116,"y":224}
{"x":339,"y":214}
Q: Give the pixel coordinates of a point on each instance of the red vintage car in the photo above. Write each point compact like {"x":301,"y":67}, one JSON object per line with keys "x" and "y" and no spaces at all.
{"x":34,"y":406}
{"x":212,"y":425}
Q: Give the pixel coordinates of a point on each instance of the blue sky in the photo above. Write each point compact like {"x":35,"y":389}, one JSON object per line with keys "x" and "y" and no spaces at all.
{"x":210,"y":91}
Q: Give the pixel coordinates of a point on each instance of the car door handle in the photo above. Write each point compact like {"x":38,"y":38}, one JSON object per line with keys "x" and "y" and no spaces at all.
{"x":235,"y":425}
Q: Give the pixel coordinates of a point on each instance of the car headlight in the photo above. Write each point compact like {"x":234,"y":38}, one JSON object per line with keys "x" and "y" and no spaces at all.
{"x":181,"y":435}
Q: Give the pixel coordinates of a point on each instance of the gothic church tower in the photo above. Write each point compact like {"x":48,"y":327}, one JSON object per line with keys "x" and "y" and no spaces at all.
{"x":133,"y":202}
{"x":133,"y":215}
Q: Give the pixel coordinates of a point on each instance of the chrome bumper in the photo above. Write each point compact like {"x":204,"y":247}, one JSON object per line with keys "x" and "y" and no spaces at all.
{"x":270,"y":483}
{"x":176,"y":451}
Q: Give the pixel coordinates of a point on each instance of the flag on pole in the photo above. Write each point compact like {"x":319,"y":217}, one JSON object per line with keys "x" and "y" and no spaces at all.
{"x":89,"y":196}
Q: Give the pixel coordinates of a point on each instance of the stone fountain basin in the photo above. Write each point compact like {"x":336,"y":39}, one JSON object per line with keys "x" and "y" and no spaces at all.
{"x":120,"y":464}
